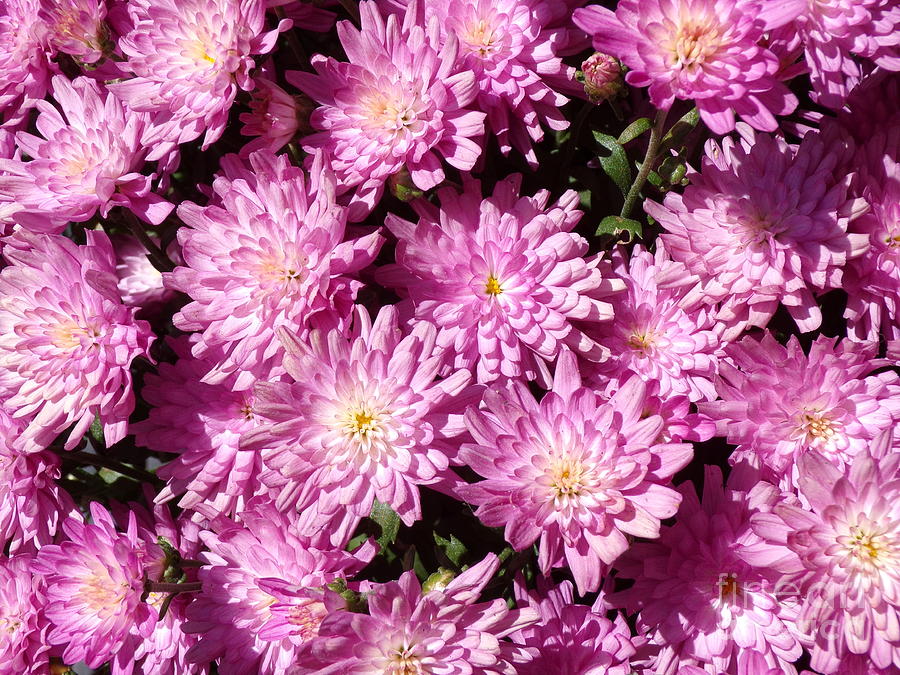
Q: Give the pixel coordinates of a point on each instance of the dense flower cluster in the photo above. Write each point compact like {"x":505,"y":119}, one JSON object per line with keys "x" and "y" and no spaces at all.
{"x":417,"y":337}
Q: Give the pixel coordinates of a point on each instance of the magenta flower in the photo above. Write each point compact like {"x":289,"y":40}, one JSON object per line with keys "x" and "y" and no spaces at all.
{"x":657,"y":331}
{"x":24,"y":58}
{"x":779,"y":404}
{"x":408,"y":630}
{"x":77,"y":27}
{"x":268,"y":252}
{"x":163,"y":650}
{"x":201,"y":423}
{"x":186,"y":60}
{"x":94,"y":584}
{"x":88,"y":160}
{"x":399,"y":103}
{"x":841,"y":556}
{"x":514,"y":47}
{"x":66,"y":339}
{"x":140,"y":283}
{"x":871,"y":281}
{"x":578,"y":471}
{"x":24,"y":649}
{"x":31,"y":503}
{"x":702,"y":50}
{"x":264,"y":591}
{"x":839,"y":37}
{"x":365,"y":419}
{"x":503,"y":278}
{"x":698,"y":600}
{"x":573,"y":638}
{"x":762,"y":224}
{"x":275,"y":117}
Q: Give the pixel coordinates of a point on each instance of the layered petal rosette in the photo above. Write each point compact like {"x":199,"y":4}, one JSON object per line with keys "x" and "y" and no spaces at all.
{"x":268,"y":252}
{"x":201,"y":423}
{"x":699,"y":602}
{"x":365,"y":420}
{"x":400,"y":103}
{"x":185,"y":61}
{"x":577,"y":471}
{"x":24,"y":648}
{"x":95,"y":583}
{"x":763,"y":223}
{"x":88,"y":159}
{"x":32,"y":505}
{"x":659,"y":330}
{"x":412,"y":630}
{"x":573,"y":637}
{"x":66,"y":340}
{"x":843,"y":40}
{"x":841,"y":556}
{"x":265,"y":591}
{"x":778,"y":403}
{"x":504,"y":279}
{"x":514,"y":49}
{"x":707,"y":51}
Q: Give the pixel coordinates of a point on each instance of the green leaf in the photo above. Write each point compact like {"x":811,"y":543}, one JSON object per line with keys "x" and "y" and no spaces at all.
{"x":634,"y":130}
{"x":616,"y":225}
{"x":108,"y":475}
{"x":453,"y":548}
{"x":675,"y":136}
{"x":389,"y":522}
{"x":97,"y":432}
{"x":615,"y":164}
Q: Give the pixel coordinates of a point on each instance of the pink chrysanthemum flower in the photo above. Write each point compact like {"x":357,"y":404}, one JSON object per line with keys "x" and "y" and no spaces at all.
{"x":24,"y":649}
{"x":871,"y":281}
{"x":572,"y":638}
{"x":95,"y":580}
{"x":163,"y":650}
{"x":202,"y":423}
{"x":275,"y":117}
{"x":702,"y":50}
{"x":140,"y":283}
{"x":408,"y":630}
{"x":514,"y":49}
{"x":503,"y":278}
{"x":77,"y":27}
{"x":838,"y":34}
{"x":188,"y":59}
{"x":656,"y":332}
{"x":88,"y":160}
{"x":778,"y":403}
{"x":842,"y":556}
{"x":698,"y":600}
{"x":31,"y":504}
{"x":264,"y":591}
{"x":24,"y":58}
{"x":399,"y":103}
{"x":66,"y":339}
{"x":762,"y":224}
{"x":305,"y":15}
{"x":268,"y":252}
{"x":365,"y":419}
{"x":578,"y":471}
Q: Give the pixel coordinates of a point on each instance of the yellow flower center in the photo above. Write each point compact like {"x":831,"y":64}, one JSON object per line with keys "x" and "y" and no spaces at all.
{"x":492,"y":287}
{"x":566,"y":477}
{"x":403,"y":661}
{"x":693,"y":44}
{"x":68,"y":335}
{"x":361,"y":423}
{"x":481,"y":38}
{"x":641,"y":341}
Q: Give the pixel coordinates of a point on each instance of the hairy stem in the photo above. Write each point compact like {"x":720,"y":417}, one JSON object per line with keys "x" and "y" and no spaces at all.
{"x":647,"y":165}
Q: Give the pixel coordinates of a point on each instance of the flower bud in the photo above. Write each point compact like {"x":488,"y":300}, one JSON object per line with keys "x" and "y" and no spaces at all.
{"x":601,"y":75}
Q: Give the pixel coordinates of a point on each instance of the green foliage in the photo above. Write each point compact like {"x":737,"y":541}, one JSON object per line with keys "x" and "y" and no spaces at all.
{"x":615,"y":163}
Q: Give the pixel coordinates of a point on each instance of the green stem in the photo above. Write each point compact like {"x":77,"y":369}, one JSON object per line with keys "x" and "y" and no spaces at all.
{"x":647,"y":165}
{"x":107,"y":463}
{"x":159,"y":259}
{"x":163,"y":587}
